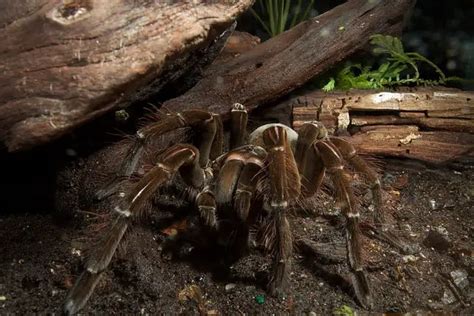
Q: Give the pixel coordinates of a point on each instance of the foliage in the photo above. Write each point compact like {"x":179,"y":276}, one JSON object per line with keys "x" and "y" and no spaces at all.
{"x":344,"y":310}
{"x":274,"y":15}
{"x":398,"y":68}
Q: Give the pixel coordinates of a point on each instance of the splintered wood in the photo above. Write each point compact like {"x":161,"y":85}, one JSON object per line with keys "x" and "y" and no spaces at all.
{"x":433,"y":125}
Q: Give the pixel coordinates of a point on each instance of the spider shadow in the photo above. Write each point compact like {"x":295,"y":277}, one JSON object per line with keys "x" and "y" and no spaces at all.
{"x":205,"y":251}
{"x":320,"y":268}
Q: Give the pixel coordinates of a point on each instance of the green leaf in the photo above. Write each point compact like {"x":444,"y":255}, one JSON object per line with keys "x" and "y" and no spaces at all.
{"x":274,"y":15}
{"x":397,"y":68}
{"x":386,"y":44}
{"x":330,"y":85}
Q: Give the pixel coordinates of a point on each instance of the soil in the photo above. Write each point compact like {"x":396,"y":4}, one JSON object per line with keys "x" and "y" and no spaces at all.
{"x":41,"y":255}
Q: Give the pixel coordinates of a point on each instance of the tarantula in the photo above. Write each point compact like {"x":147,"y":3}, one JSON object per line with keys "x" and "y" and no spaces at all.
{"x":276,"y":167}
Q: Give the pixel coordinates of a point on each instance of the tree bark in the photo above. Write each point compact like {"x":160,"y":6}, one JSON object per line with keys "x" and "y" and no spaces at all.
{"x":435,"y":125}
{"x":63,"y":63}
{"x":285,"y":62}
{"x":66,"y":78}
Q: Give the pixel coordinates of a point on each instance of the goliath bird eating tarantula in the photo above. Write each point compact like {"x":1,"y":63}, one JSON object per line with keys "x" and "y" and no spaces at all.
{"x":268,"y":174}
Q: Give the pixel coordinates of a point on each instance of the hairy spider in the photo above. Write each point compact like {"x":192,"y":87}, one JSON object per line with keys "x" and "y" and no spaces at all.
{"x":269,"y":174}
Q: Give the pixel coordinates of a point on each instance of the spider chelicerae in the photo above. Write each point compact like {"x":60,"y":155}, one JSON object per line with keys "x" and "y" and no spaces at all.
{"x":267,"y":172}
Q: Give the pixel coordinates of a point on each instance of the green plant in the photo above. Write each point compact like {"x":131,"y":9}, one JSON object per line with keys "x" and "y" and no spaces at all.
{"x":344,"y":310}
{"x":398,"y":68}
{"x":274,"y":15}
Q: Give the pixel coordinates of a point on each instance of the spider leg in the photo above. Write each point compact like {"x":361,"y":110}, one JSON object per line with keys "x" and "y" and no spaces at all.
{"x":285,"y":185}
{"x":236,"y":183}
{"x":350,"y":155}
{"x":244,"y":194}
{"x":228,"y":177}
{"x":203,"y":121}
{"x":178,"y":158}
{"x":238,"y":123}
{"x":246,"y":186}
{"x":308,"y":159}
{"x":345,"y":197}
{"x":206,"y":203}
{"x":379,"y":230}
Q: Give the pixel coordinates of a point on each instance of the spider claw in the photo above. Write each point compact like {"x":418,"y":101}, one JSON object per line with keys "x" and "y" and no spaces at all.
{"x":361,"y":286}
{"x":81,"y":292}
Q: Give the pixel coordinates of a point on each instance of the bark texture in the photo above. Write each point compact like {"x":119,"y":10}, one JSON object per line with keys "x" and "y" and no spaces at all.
{"x":285,"y":62}
{"x":63,"y":63}
{"x":435,"y":125}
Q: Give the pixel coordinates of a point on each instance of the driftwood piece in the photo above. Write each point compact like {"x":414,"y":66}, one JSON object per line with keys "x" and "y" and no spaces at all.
{"x":434,"y":125}
{"x":287,"y":61}
{"x":63,"y":63}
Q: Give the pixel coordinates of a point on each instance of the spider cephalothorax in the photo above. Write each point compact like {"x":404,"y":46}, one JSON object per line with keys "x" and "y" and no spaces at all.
{"x":271,"y":172}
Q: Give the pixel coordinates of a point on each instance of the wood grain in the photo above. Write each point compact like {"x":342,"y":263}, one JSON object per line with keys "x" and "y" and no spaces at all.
{"x":63,"y":63}
{"x":435,"y":125}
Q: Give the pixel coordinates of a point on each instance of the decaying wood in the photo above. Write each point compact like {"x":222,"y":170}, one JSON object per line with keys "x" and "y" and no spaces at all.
{"x":63,"y":63}
{"x":287,"y":61}
{"x":435,"y":125}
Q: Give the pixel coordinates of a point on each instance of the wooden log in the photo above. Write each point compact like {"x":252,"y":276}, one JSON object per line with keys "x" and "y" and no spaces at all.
{"x":63,"y":63}
{"x":435,"y":125}
{"x":287,"y":61}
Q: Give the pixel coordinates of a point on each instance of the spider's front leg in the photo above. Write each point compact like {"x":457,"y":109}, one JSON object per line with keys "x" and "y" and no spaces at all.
{"x":204,"y":123}
{"x":285,"y":185}
{"x":179,"y":158}
{"x":236,"y":183}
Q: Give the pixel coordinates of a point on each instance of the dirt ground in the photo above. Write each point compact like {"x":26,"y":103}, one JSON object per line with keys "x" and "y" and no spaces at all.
{"x":41,"y":256}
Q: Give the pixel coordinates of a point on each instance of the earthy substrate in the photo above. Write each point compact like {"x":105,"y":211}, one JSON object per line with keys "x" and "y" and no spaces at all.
{"x":40,"y":259}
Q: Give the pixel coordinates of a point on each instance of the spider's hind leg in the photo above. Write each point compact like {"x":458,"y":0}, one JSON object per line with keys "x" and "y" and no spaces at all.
{"x":345,"y":198}
{"x":380,"y":228}
{"x":350,"y":155}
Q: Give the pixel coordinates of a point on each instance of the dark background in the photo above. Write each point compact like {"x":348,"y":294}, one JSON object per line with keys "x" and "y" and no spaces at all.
{"x":442,"y":31}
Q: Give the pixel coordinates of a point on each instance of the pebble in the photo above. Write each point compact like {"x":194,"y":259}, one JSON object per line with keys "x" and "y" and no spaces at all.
{"x":448,"y":297}
{"x":460,"y":278}
{"x":229,"y":287}
{"x":409,"y":258}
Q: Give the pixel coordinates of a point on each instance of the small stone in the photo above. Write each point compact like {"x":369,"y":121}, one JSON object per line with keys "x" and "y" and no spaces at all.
{"x":409,"y":258}
{"x":3,"y":298}
{"x":312,"y":314}
{"x":433,"y":204}
{"x":76,"y":252}
{"x":448,"y":297}
{"x":229,"y":287}
{"x":460,"y":278}
{"x":260,"y":299}
{"x":443,"y":231}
